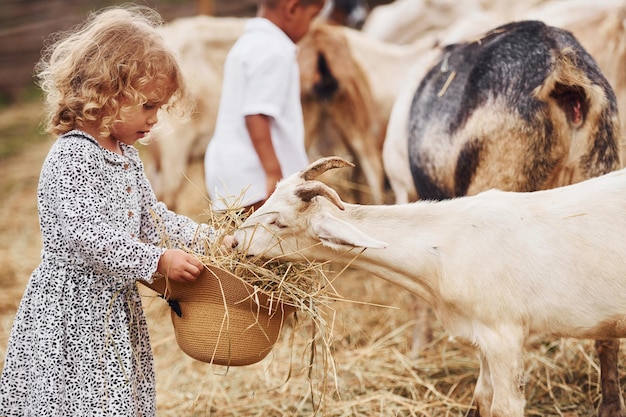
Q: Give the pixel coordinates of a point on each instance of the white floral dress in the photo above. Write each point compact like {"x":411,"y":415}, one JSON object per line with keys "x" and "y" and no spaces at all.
{"x":79,"y":345}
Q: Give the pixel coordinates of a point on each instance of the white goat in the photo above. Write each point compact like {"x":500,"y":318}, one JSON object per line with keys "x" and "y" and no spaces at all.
{"x":498,"y":267}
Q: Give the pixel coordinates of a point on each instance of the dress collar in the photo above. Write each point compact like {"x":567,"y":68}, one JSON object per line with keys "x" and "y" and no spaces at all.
{"x":130,"y":153}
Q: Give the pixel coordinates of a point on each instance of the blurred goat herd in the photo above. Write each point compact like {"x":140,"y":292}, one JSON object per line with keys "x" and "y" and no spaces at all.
{"x":358,"y":89}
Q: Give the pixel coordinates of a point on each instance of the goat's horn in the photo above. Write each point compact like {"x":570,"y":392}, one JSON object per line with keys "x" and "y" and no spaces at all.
{"x":312,"y":189}
{"x":322,"y":165}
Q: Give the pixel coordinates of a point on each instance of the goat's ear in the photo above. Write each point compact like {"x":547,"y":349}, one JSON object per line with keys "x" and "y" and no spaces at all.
{"x":337,"y":234}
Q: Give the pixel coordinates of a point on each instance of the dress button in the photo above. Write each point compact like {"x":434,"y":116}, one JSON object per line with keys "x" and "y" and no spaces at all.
{"x":128,"y":189}
{"x":130,"y":213}
{"x":126,"y":166}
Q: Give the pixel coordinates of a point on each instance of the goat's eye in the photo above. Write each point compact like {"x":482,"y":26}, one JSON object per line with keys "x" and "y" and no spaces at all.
{"x":278,"y":223}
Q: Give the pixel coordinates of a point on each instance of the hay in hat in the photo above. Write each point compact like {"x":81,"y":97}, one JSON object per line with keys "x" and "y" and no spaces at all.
{"x":221,"y":319}
{"x":274,"y":290}
{"x":306,"y":286}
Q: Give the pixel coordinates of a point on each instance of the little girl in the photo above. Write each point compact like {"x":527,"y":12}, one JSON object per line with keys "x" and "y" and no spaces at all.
{"x":79,"y":345}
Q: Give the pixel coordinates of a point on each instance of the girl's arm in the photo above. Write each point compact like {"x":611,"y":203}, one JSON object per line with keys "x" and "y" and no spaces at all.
{"x":81,"y":197}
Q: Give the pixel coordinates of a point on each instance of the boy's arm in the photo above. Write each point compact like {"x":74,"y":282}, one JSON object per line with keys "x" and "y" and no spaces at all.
{"x":258,"y":126}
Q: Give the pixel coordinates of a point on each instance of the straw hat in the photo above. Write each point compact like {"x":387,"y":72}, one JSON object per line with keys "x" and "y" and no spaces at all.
{"x":221,"y":319}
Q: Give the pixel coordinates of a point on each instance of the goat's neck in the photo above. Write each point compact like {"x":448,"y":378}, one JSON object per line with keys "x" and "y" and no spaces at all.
{"x":413,"y":233}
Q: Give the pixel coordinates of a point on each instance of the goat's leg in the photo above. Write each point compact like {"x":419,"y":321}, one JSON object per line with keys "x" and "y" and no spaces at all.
{"x":502,"y":350}
{"x":422,"y":330}
{"x":483,"y":393}
{"x":612,"y":403}
{"x":369,"y":160}
{"x":311,"y":118}
{"x":174,"y":158}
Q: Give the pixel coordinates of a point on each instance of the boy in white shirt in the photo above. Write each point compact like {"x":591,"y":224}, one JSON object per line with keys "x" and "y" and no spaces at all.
{"x":259,"y":134}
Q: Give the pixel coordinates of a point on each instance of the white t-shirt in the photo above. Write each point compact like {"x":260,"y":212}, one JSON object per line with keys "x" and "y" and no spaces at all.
{"x":261,"y":76}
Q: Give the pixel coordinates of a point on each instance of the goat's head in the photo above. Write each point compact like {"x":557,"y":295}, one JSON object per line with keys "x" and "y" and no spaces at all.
{"x":294,"y":222}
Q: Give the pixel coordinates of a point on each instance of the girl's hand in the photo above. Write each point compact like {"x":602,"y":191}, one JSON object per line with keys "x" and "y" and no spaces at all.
{"x":179,"y":265}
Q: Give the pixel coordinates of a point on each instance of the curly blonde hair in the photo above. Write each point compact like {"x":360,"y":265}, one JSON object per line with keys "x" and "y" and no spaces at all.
{"x":93,"y":73}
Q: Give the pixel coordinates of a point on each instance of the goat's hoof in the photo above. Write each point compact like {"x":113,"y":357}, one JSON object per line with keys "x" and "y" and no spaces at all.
{"x":611,"y":410}
{"x":473,"y":413}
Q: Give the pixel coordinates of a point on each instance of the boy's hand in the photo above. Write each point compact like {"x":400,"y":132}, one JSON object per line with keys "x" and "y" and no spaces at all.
{"x":180,"y":266}
{"x":270,"y":184}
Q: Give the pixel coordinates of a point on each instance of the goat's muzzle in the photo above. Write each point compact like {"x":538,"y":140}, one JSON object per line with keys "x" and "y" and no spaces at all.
{"x":230,"y":242}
